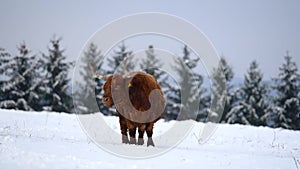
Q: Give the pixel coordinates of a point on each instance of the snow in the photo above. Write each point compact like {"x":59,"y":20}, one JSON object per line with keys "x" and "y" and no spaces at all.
{"x":55,"y":140}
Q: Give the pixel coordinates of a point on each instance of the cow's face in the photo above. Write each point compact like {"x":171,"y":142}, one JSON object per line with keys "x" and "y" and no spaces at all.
{"x":113,"y":84}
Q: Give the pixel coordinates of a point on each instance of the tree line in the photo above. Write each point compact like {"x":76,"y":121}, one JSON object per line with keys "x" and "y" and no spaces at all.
{"x":40,"y":82}
{"x":35,"y":82}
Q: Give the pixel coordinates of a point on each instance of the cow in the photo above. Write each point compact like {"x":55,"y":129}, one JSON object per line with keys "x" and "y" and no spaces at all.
{"x":139,"y":102}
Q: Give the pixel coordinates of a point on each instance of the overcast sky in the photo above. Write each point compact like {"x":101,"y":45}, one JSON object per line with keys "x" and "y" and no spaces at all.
{"x":240,"y":30}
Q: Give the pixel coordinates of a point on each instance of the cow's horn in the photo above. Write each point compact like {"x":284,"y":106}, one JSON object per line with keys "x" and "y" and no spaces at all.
{"x":100,"y":76}
{"x":95,"y":75}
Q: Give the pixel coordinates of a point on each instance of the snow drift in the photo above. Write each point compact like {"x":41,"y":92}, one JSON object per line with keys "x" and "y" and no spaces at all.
{"x":53,"y":140}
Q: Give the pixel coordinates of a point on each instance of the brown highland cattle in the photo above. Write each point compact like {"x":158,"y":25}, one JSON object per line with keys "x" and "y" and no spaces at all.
{"x":139,"y":102}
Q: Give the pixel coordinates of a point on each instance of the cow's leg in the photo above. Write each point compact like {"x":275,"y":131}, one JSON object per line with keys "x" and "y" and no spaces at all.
{"x":149,"y":131}
{"x":141,"y":130}
{"x":123,"y":127}
{"x":132,"y":130}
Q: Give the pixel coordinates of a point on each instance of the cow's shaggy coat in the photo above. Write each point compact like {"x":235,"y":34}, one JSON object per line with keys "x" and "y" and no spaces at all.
{"x":139,"y":102}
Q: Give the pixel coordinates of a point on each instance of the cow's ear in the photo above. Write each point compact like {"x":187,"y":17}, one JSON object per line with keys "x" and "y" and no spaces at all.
{"x":127,"y":80}
{"x":129,"y":84}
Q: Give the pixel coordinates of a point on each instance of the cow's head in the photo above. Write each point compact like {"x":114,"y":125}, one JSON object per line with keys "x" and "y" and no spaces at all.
{"x":107,"y":96}
{"x":117,"y":85}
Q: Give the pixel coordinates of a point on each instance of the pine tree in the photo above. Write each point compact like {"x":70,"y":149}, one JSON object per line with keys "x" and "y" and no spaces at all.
{"x":173,"y":98}
{"x":252,"y":105}
{"x":4,"y":60}
{"x":286,"y":103}
{"x":90,"y":87}
{"x":225,"y":96}
{"x":151,"y":63}
{"x":21,"y":88}
{"x":5,"y":65}
{"x":56,"y":82}
{"x":121,"y":56}
{"x":197,"y":95}
{"x":190,"y":92}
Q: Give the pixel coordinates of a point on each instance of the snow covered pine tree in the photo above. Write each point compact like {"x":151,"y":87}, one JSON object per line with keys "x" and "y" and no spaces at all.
{"x":220,"y":91}
{"x":56,"y":82}
{"x":91,"y":56}
{"x":5,"y":59}
{"x":192,"y":93}
{"x":20,"y":90}
{"x":251,"y":106}
{"x":120,"y":55}
{"x":286,"y":103}
{"x":151,"y":63}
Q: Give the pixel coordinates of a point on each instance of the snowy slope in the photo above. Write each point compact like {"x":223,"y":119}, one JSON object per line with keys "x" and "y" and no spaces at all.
{"x":52,"y":140}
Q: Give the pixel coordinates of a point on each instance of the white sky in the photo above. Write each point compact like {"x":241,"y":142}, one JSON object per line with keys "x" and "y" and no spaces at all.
{"x":240,"y":30}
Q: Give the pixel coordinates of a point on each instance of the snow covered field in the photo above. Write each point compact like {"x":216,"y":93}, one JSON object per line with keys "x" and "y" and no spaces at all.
{"x":52,"y":140}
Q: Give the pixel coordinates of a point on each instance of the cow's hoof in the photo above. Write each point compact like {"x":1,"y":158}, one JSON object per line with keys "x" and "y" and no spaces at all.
{"x":132,"y":140}
{"x":150,"y":142}
{"x":125,"y":139}
{"x":140,"y":141}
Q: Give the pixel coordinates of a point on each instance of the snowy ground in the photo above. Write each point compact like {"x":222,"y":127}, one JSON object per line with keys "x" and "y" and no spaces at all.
{"x":52,"y":140}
